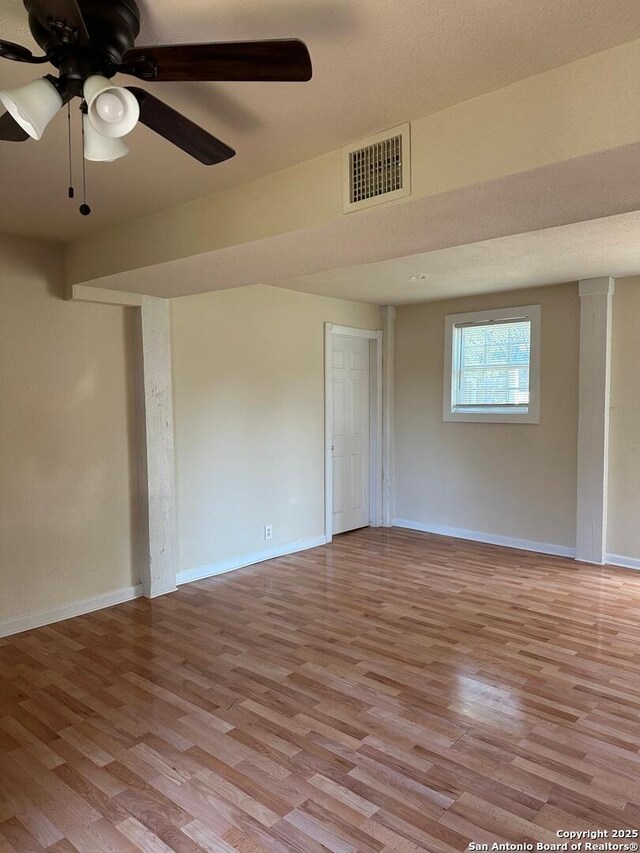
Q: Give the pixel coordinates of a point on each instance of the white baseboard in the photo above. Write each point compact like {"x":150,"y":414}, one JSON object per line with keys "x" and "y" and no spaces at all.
{"x":622,"y":561}
{"x":66,"y":611}
{"x":18,"y":624}
{"x":487,"y":538}
{"x":202,"y":572}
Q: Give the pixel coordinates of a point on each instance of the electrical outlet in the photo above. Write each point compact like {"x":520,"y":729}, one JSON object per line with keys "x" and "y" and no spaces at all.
{"x":268,"y":531}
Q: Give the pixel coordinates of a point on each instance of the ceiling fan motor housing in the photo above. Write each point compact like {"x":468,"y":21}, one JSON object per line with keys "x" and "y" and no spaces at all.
{"x":92,"y":40}
{"x":113,"y":26}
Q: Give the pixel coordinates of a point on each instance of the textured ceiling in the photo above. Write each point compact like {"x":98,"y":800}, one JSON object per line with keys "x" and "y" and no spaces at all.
{"x":450,"y":237}
{"x":376,"y":64}
{"x":571,"y":252}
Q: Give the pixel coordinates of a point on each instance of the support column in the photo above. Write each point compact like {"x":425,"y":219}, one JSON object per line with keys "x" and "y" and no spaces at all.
{"x":596,"y":303}
{"x":155,"y":408}
{"x":158,"y":422}
{"x":388,"y":314}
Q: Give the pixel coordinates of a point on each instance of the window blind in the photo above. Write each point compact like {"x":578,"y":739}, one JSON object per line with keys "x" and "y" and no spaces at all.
{"x":491,"y":364}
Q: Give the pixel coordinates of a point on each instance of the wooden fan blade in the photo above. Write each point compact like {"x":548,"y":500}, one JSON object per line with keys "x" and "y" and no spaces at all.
{"x":180,"y":130}
{"x":279,"y":60}
{"x":62,"y":17}
{"x":10,"y":130}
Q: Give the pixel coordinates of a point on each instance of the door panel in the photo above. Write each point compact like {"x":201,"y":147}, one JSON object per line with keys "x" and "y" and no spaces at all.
{"x":339,"y":407}
{"x":350,"y":378}
{"x":357,"y":482}
{"x":338,"y":486}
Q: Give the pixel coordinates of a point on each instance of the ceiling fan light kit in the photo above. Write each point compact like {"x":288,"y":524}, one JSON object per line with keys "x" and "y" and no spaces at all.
{"x":112,"y":110}
{"x":33,"y":106}
{"x":99,"y":148}
{"x":90,"y":41}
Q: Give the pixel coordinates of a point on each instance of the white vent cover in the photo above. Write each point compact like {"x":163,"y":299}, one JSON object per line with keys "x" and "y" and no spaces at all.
{"x":377,"y":169}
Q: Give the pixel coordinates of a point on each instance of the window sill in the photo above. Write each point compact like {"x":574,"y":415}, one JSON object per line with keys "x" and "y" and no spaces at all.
{"x":495,"y":416}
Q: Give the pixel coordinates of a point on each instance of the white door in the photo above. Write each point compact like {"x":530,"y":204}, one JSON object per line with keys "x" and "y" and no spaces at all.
{"x":350,"y":444}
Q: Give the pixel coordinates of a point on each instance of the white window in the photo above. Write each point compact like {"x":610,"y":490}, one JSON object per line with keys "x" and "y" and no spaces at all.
{"x":492,"y":366}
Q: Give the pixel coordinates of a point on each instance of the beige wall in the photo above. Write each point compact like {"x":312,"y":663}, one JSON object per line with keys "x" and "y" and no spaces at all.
{"x":511,"y":480}
{"x":624,"y":457}
{"x":68,"y":457}
{"x":249,"y":417}
{"x":248,"y":384}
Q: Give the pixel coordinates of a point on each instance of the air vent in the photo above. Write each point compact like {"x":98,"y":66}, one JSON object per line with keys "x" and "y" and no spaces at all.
{"x":377,"y":169}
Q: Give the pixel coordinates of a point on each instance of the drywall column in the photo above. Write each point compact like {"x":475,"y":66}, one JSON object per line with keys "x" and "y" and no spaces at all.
{"x":388,"y":314}
{"x":155,"y":406}
{"x":596,"y":298}
{"x":160,"y":464}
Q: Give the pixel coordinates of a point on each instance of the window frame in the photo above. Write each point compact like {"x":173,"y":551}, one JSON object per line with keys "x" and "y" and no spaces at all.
{"x":497,"y":414}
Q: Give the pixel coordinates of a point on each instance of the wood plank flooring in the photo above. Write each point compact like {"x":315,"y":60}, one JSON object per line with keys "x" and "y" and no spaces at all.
{"x":393,"y":691}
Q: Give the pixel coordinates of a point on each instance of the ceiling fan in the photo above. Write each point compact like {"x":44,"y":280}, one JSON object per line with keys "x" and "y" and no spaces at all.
{"x":89,"y":41}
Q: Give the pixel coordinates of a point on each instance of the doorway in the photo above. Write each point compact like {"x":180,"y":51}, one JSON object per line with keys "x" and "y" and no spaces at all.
{"x":353,"y":429}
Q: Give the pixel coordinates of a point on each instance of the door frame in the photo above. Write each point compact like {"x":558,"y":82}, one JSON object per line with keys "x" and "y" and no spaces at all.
{"x":374,"y":336}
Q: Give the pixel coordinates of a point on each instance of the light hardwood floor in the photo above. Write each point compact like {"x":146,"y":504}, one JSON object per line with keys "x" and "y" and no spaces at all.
{"x":393,"y":691}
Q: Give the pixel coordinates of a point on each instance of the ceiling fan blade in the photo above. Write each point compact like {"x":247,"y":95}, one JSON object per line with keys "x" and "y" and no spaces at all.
{"x":62,"y":17}
{"x":180,"y":130}
{"x":10,"y":130}
{"x":18,"y":53}
{"x":278,"y":60}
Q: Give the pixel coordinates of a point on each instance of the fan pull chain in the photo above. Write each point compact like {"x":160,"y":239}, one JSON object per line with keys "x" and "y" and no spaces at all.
{"x":85,"y":210}
{"x":71,"y":189}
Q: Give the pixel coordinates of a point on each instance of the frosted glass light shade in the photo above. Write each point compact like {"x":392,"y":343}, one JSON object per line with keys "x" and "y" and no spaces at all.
{"x":119,"y":113}
{"x":99,"y":148}
{"x":33,"y":106}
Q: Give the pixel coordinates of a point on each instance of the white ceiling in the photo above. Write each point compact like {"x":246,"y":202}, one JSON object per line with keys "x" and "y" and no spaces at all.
{"x":376,"y":64}
{"x":571,"y":252}
{"x":581,"y":250}
{"x":483,"y":237}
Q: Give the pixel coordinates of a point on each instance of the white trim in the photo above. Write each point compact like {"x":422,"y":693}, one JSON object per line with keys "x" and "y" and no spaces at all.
{"x":622,"y":561}
{"x":532,"y":415}
{"x":596,"y":311}
{"x":354,"y":332}
{"x":605,"y":286}
{"x":104,"y":296}
{"x":388,"y":316}
{"x":202,"y":572}
{"x":376,"y":497}
{"x":487,"y":538}
{"x":68,"y":611}
{"x":328,"y":430}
